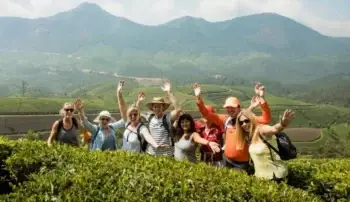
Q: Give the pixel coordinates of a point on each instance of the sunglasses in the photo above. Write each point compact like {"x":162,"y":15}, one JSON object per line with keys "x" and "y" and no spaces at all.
{"x":69,"y":110}
{"x":244,"y":121}
{"x":133,"y":114}
{"x":105,"y":119}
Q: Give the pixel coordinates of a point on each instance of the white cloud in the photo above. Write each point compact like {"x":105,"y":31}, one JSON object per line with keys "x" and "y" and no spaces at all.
{"x":217,"y":10}
{"x":154,"y":12}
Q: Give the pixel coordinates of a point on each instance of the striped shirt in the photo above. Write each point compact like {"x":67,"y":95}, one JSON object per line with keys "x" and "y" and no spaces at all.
{"x":160,"y":135}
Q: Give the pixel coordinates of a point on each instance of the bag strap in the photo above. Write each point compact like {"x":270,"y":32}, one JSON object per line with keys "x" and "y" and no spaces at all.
{"x":227,"y":121}
{"x":139,"y":135}
{"x":165,"y":124}
{"x":94,"y":136}
{"x":150,"y":117}
{"x":167,"y":127}
{"x":269,"y":146}
{"x":75,"y":122}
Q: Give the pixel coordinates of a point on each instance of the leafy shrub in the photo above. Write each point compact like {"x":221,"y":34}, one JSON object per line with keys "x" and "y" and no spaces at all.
{"x":65,"y":173}
{"x":32,"y":135}
{"x":327,"y":178}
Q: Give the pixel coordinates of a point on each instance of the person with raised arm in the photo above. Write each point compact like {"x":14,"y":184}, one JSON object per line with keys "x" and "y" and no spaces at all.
{"x":234,"y":158}
{"x":160,"y":123}
{"x":103,"y":135}
{"x":136,"y":135}
{"x":267,"y":163}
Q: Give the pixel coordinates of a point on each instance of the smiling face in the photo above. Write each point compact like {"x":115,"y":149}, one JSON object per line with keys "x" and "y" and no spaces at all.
{"x":157,"y":108}
{"x":245,"y":123}
{"x":104,"y":120}
{"x":185,"y":124}
{"x":67,"y":110}
{"x":233,"y":111}
{"x":133,"y":115}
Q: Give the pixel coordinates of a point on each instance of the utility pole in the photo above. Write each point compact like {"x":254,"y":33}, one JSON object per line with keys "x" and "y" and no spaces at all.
{"x":24,"y":87}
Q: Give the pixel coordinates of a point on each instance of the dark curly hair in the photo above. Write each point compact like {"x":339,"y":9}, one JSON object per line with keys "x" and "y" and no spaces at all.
{"x":179,"y":130}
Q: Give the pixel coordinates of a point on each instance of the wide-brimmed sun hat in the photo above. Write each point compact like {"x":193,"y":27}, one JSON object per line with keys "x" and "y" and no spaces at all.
{"x":104,"y":114}
{"x":158,"y":100}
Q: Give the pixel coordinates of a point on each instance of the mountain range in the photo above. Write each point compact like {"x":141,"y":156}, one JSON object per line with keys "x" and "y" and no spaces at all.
{"x":88,"y":25}
{"x":291,"y":59}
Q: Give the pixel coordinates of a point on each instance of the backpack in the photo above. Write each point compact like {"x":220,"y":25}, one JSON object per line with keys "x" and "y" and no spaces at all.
{"x":143,"y":142}
{"x":170,"y":129}
{"x":93,"y":137}
{"x":60,"y":125}
{"x":214,"y":135}
{"x":286,"y":149}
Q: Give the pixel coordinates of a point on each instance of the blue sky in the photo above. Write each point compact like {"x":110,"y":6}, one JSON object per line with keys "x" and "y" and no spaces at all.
{"x":329,"y":17}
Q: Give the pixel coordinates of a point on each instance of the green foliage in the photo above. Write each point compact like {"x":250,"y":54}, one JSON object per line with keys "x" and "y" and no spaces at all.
{"x":69,"y":174}
{"x":32,"y":135}
{"x":98,"y":97}
{"x":333,"y":143}
{"x":332,"y":89}
{"x":327,"y":178}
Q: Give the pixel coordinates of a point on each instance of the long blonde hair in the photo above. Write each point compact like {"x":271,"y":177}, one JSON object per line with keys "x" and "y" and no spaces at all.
{"x":130,"y":109}
{"x":240,"y":136}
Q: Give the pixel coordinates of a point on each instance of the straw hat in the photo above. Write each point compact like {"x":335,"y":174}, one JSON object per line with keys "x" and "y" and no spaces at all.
{"x":158,"y":100}
{"x":104,"y":114}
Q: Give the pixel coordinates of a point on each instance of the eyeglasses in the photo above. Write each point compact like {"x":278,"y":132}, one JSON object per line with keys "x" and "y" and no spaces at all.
{"x":69,"y":110}
{"x":244,"y":121}
{"x":105,"y":119}
{"x":133,"y":114}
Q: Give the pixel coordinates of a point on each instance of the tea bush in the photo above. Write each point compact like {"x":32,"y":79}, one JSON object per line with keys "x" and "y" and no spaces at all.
{"x":327,"y":178}
{"x":63,"y":173}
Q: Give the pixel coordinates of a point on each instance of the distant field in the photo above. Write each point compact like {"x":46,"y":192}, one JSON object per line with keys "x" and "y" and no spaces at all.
{"x":304,"y":134}
{"x":98,"y":97}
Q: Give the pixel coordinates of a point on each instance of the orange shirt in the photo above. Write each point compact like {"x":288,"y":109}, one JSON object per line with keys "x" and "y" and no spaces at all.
{"x":230,"y":143}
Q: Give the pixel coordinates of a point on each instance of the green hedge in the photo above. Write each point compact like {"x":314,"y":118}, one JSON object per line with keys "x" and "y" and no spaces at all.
{"x":327,"y":178}
{"x":68,"y":174}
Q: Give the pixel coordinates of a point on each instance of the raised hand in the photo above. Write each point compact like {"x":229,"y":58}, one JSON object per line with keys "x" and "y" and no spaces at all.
{"x":287,"y":117}
{"x":78,"y":104}
{"x":259,"y":89}
{"x":141,"y":97}
{"x":120,"y":86}
{"x":255,"y":101}
{"x":196,"y":89}
{"x":166,"y":87}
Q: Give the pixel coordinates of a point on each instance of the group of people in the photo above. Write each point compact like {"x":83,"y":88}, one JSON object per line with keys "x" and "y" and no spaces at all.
{"x":237,"y":139}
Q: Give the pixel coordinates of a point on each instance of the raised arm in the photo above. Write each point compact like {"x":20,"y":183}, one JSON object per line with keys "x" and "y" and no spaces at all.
{"x":52,"y":133}
{"x":285,"y":120}
{"x":86,"y":123}
{"x":176,"y":112}
{"x":199,"y":101}
{"x":210,"y":116}
{"x":259,"y":99}
{"x":141,"y":97}
{"x":121,"y":102}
